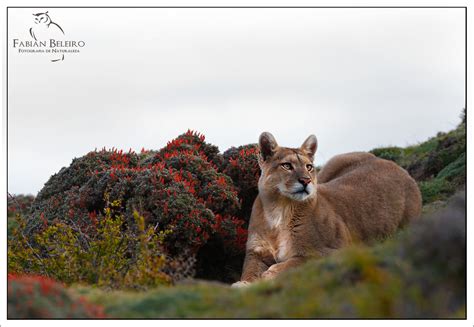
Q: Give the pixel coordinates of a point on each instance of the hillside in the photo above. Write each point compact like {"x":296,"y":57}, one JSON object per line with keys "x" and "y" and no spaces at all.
{"x":419,"y":272}
{"x":438,"y":164}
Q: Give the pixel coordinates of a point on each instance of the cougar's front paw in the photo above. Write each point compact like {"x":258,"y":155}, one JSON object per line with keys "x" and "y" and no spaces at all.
{"x":270,"y":273}
{"x":239,"y":284}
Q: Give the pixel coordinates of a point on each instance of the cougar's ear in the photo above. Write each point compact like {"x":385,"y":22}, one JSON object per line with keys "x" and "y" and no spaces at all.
{"x":309,"y":146}
{"x":267,"y":144}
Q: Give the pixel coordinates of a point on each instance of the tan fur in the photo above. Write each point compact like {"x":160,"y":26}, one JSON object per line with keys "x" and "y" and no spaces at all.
{"x":359,"y":197}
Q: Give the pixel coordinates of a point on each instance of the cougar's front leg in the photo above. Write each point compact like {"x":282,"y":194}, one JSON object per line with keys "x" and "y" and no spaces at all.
{"x":254,"y":265}
{"x":295,"y":261}
{"x":277,"y":268}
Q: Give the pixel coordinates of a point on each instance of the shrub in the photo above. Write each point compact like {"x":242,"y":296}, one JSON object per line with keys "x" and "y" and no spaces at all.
{"x":188,"y":143}
{"x":178,"y":191}
{"x":111,"y":257}
{"x":241,"y":164}
{"x":429,"y":158}
{"x":438,"y":164}
{"x":446,"y":182}
{"x":33,"y":297}
{"x":81,"y":169}
{"x":19,"y":204}
{"x":435,"y":190}
{"x":455,"y":171}
{"x":221,"y":258}
{"x":390,"y":153}
{"x":11,"y":225}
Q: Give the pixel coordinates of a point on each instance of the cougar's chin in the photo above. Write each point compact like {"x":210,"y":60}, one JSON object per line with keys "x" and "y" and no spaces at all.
{"x":298,"y":193}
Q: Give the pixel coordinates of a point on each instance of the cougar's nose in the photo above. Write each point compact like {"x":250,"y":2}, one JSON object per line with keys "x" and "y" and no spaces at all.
{"x":304,"y":180}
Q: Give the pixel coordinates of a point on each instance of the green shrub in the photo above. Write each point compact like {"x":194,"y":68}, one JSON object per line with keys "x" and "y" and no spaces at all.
{"x":435,"y":190}
{"x":456,"y":170}
{"x":389,"y":153}
{"x":39,"y":297}
{"x":111,"y":257}
{"x":446,"y":182}
{"x":438,"y":164}
{"x":426,"y":160}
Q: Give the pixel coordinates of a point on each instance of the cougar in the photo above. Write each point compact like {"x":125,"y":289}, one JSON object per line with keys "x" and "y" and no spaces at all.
{"x":300,"y":213}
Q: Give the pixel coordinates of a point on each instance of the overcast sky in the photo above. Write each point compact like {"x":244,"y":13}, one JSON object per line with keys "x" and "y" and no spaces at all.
{"x":356,"y":78}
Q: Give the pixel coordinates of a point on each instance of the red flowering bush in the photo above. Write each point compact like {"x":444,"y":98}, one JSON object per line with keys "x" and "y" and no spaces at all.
{"x":80,"y":170}
{"x":33,"y":297}
{"x":193,"y":142}
{"x":190,"y":143}
{"x":241,"y":165}
{"x":177,"y":189}
{"x":19,"y":204}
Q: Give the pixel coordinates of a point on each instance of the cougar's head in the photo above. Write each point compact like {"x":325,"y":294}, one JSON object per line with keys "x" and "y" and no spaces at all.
{"x":286,"y":171}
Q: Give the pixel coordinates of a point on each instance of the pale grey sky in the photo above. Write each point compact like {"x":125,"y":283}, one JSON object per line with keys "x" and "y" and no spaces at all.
{"x":356,"y":78}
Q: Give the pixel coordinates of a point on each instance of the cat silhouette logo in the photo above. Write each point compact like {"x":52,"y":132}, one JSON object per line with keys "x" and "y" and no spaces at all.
{"x":45,"y":29}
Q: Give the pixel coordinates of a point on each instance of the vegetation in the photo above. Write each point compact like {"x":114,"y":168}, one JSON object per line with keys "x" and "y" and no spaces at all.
{"x":409,"y":276}
{"x":17,"y":205}
{"x":130,"y":230}
{"x":185,"y":202}
{"x":241,"y":165}
{"x":40,"y":297}
{"x":109,"y":258}
{"x":438,"y":164}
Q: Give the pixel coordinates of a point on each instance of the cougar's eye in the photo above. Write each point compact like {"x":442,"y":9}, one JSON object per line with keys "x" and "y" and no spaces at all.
{"x":309,"y":167}
{"x":286,"y":165}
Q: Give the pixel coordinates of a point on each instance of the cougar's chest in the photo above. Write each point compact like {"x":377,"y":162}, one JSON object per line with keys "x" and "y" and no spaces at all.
{"x":279,"y":237}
